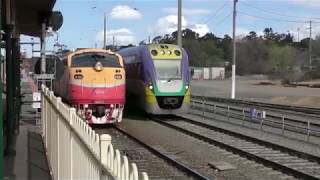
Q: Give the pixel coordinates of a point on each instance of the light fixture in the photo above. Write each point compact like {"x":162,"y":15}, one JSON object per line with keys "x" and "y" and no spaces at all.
{"x":98,"y":66}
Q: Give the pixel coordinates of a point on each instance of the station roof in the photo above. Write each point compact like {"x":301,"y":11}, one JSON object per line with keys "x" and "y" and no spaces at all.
{"x":30,"y":14}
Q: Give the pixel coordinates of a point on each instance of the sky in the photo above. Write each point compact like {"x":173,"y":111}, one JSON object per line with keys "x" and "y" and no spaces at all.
{"x":132,"y":21}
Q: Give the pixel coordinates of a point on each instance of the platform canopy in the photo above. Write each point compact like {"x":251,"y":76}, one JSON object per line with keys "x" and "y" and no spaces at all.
{"x":31,"y":13}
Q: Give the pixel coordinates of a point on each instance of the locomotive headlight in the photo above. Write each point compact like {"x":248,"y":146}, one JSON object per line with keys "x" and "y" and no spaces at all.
{"x":78,"y":76}
{"x":118,"y":76}
{"x":169,"y":52}
{"x":187,"y":87}
{"x":98,"y":66}
{"x":111,"y":105}
{"x":150,"y":87}
{"x":86,"y":106}
{"x":163,"y":52}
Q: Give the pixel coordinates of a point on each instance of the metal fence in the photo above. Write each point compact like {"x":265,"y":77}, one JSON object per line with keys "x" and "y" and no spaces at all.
{"x":75,"y":150}
{"x":210,"y":109}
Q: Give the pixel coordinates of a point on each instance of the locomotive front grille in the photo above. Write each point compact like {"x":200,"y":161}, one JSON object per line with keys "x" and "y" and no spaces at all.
{"x":170,"y":102}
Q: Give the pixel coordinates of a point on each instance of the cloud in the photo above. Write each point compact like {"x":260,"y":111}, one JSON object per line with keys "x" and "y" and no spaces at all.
{"x":123,"y":36}
{"x":201,"y":29}
{"x":186,"y":11}
{"x":125,"y":12}
{"x":168,"y":24}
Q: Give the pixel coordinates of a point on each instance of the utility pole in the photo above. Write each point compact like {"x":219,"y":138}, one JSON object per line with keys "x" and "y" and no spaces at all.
{"x":113,"y":41}
{"x":233,"y":88}
{"x":298,"y":34}
{"x":1,"y":109}
{"x":310,"y":46}
{"x":105,"y":31}
{"x":179,"y":23}
{"x":43,"y":49}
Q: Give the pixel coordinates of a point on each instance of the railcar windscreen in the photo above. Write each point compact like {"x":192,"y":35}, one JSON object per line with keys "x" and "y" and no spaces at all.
{"x":90,"y":60}
{"x":167,"y":69}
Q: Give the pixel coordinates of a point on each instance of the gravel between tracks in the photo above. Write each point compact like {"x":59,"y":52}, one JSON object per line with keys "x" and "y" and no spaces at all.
{"x":197,"y":154}
{"x":145,"y":160}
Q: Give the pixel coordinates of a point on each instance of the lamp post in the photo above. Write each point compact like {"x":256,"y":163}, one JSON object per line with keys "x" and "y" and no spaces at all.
{"x":105,"y":31}
{"x":105,"y":26}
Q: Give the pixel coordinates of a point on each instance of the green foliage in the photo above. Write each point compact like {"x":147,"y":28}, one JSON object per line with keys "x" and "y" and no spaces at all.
{"x":280,"y":59}
{"x":272,"y":53}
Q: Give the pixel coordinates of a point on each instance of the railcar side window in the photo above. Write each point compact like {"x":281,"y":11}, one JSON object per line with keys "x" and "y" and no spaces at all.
{"x":90,"y":59}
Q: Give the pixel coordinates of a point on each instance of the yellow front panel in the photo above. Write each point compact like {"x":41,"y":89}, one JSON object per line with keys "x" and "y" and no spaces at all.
{"x":98,"y":78}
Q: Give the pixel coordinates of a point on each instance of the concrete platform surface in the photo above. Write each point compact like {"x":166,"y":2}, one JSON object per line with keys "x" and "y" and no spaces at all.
{"x":30,"y":162}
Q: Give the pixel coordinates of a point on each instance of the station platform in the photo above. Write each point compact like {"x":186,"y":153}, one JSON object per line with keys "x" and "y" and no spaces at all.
{"x":30,"y":162}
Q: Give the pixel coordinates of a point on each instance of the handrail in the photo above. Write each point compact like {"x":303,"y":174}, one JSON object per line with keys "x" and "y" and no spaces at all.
{"x":75,"y":150}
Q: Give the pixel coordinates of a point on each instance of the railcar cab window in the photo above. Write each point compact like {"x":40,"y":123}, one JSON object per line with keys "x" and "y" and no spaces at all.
{"x":90,"y":60}
{"x":168,"y":69}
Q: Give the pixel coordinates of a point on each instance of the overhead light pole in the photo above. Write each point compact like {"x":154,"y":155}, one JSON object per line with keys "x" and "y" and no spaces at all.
{"x":233,"y":86}
{"x":105,"y":31}
{"x":179,"y":38}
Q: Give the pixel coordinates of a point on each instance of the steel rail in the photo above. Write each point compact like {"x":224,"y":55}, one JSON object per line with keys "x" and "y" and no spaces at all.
{"x":242,"y":152}
{"x":179,"y":165}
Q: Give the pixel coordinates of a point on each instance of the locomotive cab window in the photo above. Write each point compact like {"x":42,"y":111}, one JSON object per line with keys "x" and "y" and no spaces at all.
{"x":90,"y":59}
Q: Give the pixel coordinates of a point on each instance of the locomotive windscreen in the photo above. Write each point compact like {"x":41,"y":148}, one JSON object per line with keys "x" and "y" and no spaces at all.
{"x":167,"y":69}
{"x":90,"y":59}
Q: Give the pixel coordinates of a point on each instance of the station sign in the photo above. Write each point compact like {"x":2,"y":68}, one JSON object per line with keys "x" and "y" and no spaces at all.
{"x":36,"y":98}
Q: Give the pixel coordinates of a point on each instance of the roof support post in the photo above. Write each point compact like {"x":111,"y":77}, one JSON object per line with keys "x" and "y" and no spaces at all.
{"x":9,"y":149}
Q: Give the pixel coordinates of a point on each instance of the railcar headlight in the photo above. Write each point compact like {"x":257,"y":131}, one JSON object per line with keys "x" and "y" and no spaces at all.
{"x":154,"y":52}
{"x":86,"y":106}
{"x":177,"y":52}
{"x":150,"y":87}
{"x":163,"y":52}
{"x":187,"y":87}
{"x":111,"y":105}
{"x":169,"y":52}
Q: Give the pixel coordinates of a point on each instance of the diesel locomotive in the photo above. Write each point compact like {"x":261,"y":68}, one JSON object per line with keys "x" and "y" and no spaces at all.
{"x":92,"y":81}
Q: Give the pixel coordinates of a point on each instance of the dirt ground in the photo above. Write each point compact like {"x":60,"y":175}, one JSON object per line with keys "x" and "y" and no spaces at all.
{"x":250,"y":90}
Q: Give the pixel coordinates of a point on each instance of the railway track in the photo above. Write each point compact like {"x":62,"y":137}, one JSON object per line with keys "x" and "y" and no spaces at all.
{"x":291,"y":162}
{"x":297,"y":110}
{"x":299,"y":126}
{"x":150,"y":159}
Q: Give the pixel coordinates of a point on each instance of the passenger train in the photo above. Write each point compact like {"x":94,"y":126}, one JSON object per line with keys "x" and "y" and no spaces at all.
{"x":157,"y":78}
{"x":92,"y":81}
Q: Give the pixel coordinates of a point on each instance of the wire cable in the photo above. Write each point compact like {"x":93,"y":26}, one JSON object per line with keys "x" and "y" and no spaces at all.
{"x":273,"y":19}
{"x":223,"y":19}
{"x":216,"y":12}
{"x":276,"y":13}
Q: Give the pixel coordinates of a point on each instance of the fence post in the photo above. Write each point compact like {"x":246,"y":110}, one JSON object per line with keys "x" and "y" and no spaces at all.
{"x":117,"y":160}
{"x":134,"y":172}
{"x":228,"y":112}
{"x":308,"y":130}
{"x":144,"y":176}
{"x":58,"y":100}
{"x":105,"y":142}
{"x":261,"y":123}
{"x":203,"y":107}
{"x":72,"y":111}
{"x":125,"y":169}
{"x":214,"y":111}
{"x":243,"y":116}
{"x":282,"y":125}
